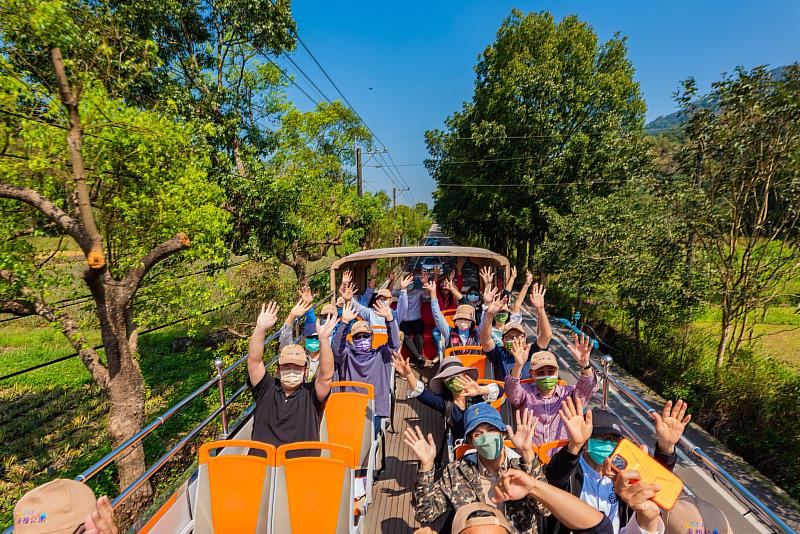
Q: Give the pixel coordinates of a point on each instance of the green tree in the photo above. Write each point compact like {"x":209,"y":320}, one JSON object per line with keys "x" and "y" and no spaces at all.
{"x":128,"y":186}
{"x":555,"y":118}
{"x":742,"y":163}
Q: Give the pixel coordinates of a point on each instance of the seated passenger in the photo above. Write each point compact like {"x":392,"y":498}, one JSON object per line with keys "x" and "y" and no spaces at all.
{"x":412,"y":325}
{"x":582,"y":467}
{"x":465,"y":333}
{"x":500,"y":354}
{"x":288,"y":409}
{"x":480,"y":518}
{"x":63,"y":505}
{"x":495,"y":475}
{"x":359,"y":362}
{"x":447,"y":296}
{"x":384,"y":296}
{"x":450,"y":393}
{"x":544,"y":397}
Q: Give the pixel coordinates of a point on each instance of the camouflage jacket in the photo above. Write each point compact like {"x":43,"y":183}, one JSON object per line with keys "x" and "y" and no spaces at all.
{"x":460,"y":485}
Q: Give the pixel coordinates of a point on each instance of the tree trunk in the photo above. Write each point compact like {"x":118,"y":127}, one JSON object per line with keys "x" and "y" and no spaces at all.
{"x":299,"y":266}
{"x":725,"y":336}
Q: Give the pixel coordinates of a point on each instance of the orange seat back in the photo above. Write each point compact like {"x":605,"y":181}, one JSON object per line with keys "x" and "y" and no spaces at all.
{"x":546,"y":448}
{"x":463,"y":350}
{"x":236,"y":484}
{"x":318,"y":490}
{"x":472,"y":356}
{"x":448,"y":316}
{"x":501,"y":399}
{"x":345,"y":419}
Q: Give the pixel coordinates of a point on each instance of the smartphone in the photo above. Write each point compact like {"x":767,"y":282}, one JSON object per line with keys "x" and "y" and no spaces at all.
{"x":628,"y":456}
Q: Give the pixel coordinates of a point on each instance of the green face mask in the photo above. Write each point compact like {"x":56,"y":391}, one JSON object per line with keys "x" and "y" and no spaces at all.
{"x":509,"y":345}
{"x":488,"y":445}
{"x":453,"y":385}
{"x":600,"y":449}
{"x":546,"y":383}
{"x":312,"y":344}
{"x":501,"y":318}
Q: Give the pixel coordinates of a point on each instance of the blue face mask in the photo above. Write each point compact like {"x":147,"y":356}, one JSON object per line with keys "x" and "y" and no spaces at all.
{"x":339,"y":312}
{"x":473,"y":297}
{"x":600,"y":449}
{"x":363,"y":344}
{"x":312,"y":344}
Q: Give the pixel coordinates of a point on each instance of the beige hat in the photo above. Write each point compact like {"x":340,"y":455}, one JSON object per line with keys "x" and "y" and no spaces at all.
{"x":329,"y":309}
{"x":293,"y":354}
{"x":695,"y":514}
{"x":513,"y":326}
{"x":543,"y":358}
{"x":340,"y":302}
{"x":491,"y":516}
{"x":361,"y":327}
{"x":58,"y":507}
{"x":465,"y":311}
{"x":385,"y":293}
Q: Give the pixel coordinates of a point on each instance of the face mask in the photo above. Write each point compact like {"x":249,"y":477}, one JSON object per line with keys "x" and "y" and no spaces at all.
{"x":509,"y":345}
{"x":546,"y":383}
{"x":312,"y":344}
{"x":501,"y":318}
{"x":453,"y":385}
{"x":291,"y":378}
{"x":488,"y":445}
{"x":600,"y":449}
{"x":363,"y":344}
{"x":463,"y":326}
{"x":473,"y":297}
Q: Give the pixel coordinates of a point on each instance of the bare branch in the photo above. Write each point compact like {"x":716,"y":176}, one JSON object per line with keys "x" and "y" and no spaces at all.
{"x":134,"y":277}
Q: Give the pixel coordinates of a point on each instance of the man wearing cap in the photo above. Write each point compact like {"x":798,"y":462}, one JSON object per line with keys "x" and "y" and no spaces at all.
{"x":472,"y":478}
{"x":412,"y":326}
{"x":500,"y":355}
{"x":384,"y":296}
{"x":544,"y":396}
{"x":288,"y":409}
{"x":581,"y":467}
{"x":360,"y":362}
{"x":63,"y":507}
{"x":464,"y":333}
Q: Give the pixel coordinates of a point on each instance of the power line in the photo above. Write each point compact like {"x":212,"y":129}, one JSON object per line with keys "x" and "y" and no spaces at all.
{"x":461,"y":162}
{"x":534,"y":184}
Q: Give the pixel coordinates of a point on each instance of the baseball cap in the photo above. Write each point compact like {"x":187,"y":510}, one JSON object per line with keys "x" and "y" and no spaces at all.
{"x":385,"y":293}
{"x":606,"y":423}
{"x":543,"y":358}
{"x":361,"y":327}
{"x":482,"y":413}
{"x":340,"y":302}
{"x":310,"y":329}
{"x":328,"y":309}
{"x":450,"y":366}
{"x":513,"y":326}
{"x":293,"y":353}
{"x":58,"y":507}
{"x":465,"y":311}
{"x":491,"y":516}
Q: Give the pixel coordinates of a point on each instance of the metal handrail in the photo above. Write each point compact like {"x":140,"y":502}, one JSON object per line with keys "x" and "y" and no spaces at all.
{"x":766,"y":514}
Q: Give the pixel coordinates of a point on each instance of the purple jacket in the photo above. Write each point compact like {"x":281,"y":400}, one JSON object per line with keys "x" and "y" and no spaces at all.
{"x":372,"y":366}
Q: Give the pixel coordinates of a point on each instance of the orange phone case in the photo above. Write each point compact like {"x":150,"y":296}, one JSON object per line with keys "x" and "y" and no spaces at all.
{"x":628,"y":456}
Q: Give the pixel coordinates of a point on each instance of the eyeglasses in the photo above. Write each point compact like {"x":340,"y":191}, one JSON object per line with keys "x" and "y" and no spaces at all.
{"x":362,"y":336}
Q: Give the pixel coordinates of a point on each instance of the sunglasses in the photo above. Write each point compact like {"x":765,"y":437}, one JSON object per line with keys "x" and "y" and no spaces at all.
{"x":362,"y":336}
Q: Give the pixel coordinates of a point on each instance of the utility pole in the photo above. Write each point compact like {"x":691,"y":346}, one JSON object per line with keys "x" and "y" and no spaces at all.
{"x":394,"y":214}
{"x":358,"y":173}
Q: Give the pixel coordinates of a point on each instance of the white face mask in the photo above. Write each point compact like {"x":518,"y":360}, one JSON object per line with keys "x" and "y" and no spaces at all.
{"x":291,"y":378}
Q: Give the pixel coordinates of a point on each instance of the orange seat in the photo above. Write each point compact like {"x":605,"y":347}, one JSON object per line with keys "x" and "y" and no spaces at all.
{"x":462,"y":449}
{"x":500,"y":400}
{"x":348,"y":418}
{"x":448,"y":316}
{"x":234,"y":491}
{"x":314,"y":493}
{"x":472,"y":356}
{"x":545,"y":448}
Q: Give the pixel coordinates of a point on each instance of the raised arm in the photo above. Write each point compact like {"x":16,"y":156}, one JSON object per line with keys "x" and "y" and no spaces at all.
{"x":544,"y":333}
{"x":438,"y":316}
{"x":517,"y":309}
{"x":402,"y":298}
{"x":303,"y":306}
{"x":324,"y":378}
{"x":255,"y":352}
{"x":340,"y":338}
{"x":492,"y":306}
{"x":511,"y":279}
{"x":392,"y":331}
{"x":428,"y":498}
{"x":453,"y":289}
{"x":515,"y":393}
{"x":373,"y":275}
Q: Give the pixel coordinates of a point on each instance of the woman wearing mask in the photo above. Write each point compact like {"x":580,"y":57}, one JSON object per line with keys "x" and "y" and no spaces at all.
{"x":451,"y":392}
{"x":288,"y":409}
{"x":465,"y":332}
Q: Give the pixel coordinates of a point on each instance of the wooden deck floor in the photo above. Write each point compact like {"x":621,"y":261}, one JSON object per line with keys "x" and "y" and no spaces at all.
{"x":390,"y":511}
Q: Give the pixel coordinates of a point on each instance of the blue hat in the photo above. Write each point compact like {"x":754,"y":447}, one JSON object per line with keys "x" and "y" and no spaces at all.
{"x":482,"y":413}
{"x":310,"y":330}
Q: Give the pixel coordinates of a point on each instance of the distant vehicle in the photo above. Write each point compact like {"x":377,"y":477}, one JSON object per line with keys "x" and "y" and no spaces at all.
{"x":432,"y":242}
{"x":430,"y":264}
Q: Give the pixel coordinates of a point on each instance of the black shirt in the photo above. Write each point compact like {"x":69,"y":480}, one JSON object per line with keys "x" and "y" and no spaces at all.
{"x":279,"y":419}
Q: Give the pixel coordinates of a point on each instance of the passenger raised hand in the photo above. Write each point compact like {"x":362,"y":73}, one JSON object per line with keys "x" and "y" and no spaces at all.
{"x":469,"y":388}
{"x":400,"y":364}
{"x":268,"y":316}
{"x":424,"y":449}
{"x":406,"y":281}
{"x":347,"y":277}
{"x":349,"y":312}
{"x":489,"y":293}
{"x":325,"y":330}
{"x":579,"y":426}
{"x":373,"y":270}
{"x":305,"y":303}
{"x":581,"y":349}
{"x":512,"y":485}
{"x":528,"y":277}
{"x":522,"y":437}
{"x":459,"y":264}
{"x":537,"y":295}
{"x":493,"y":306}
{"x":347,"y":291}
{"x":487,"y":275}
{"x":637,"y":494}
{"x":670,"y":425}
{"x":430,"y":287}
{"x":520,"y":350}
{"x":101,"y":521}
{"x":384,"y":310}
{"x":424,"y":277}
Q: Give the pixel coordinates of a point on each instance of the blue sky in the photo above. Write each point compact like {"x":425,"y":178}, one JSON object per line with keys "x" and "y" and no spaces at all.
{"x":418,"y":57}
